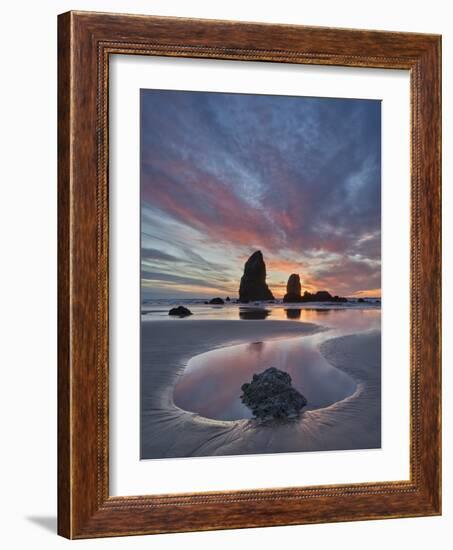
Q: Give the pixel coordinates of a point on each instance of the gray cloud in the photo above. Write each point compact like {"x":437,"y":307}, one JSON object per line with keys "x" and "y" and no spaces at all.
{"x":223,"y":174}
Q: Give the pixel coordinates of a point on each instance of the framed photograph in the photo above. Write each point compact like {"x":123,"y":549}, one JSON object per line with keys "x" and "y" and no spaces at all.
{"x":249,"y":275}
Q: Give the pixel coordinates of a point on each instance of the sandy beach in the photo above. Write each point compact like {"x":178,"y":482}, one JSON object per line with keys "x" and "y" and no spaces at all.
{"x":169,"y":431}
{"x":260,"y":280}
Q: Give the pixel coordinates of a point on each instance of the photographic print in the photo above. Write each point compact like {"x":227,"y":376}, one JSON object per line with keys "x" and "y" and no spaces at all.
{"x":220,"y":259}
{"x":260,"y":274}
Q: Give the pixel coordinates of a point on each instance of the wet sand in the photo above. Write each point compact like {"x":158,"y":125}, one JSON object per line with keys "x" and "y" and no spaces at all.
{"x":168,"y":431}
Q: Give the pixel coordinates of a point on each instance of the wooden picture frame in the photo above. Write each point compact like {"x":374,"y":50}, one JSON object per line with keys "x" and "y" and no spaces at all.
{"x":85,"y":42}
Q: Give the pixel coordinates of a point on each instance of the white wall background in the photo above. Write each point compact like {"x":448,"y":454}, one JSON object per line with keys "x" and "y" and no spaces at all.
{"x":28,"y":125}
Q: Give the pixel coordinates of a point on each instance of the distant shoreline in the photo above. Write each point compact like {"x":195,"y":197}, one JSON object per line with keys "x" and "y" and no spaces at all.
{"x":162,"y":307}
{"x":235,"y":300}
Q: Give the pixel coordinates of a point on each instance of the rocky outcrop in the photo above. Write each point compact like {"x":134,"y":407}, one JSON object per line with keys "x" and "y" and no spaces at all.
{"x":322,"y":296}
{"x":180,"y":311}
{"x":270,"y":395}
{"x":293,"y":289}
{"x":216,"y":301}
{"x":253,"y":282}
{"x":293,"y":293}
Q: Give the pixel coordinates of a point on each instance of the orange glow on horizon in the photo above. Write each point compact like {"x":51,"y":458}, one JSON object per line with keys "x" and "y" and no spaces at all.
{"x":278,"y":289}
{"x":372,"y":293}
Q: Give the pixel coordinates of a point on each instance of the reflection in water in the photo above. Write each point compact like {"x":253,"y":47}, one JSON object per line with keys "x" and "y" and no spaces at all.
{"x":211,"y":383}
{"x":293,"y":313}
{"x":256,"y":313}
{"x":255,"y":347}
{"x":265,"y":310}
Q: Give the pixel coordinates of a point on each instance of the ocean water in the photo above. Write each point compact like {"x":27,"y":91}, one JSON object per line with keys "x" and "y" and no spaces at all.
{"x":158,"y":309}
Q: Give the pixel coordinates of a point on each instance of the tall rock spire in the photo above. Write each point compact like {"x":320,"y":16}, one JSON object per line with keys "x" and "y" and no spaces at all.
{"x":293,"y":289}
{"x":253,"y":282}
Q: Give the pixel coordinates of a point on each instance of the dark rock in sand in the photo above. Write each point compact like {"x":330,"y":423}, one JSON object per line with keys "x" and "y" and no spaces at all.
{"x":361,"y":301}
{"x":253,"y":282}
{"x":216,"y":301}
{"x":227,"y":299}
{"x":293,"y":289}
{"x":180,"y":311}
{"x":270,"y":395}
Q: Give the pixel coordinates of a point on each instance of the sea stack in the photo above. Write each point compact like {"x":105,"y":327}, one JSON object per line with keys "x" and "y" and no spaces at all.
{"x":180,"y":311}
{"x":253,"y":283}
{"x":293,"y":289}
{"x":322,"y":296}
{"x":217,"y":301}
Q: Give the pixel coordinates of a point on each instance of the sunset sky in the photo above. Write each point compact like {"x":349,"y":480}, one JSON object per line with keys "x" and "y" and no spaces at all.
{"x":223,"y":175}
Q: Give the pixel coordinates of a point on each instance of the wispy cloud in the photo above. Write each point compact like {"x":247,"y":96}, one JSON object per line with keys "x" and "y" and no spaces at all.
{"x":225,"y":174}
